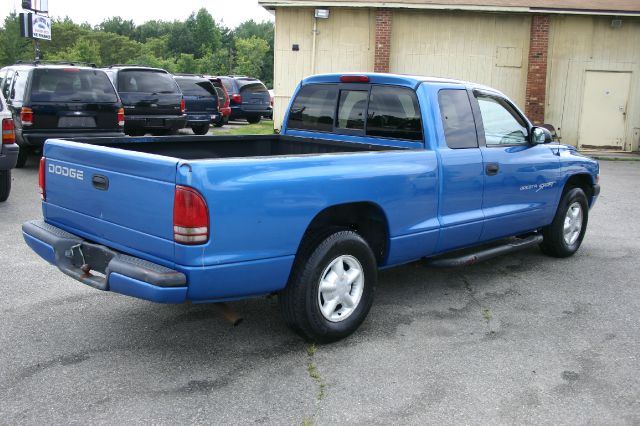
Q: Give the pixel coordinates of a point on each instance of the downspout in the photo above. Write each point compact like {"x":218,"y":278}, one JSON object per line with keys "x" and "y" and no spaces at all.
{"x":313,"y":45}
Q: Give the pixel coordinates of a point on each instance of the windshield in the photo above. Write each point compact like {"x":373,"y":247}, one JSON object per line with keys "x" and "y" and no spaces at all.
{"x":71,"y":85}
{"x":147,"y":81}
{"x":193,"y":87}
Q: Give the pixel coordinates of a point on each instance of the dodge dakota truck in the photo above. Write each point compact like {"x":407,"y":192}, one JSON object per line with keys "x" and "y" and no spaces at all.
{"x":369,"y":171}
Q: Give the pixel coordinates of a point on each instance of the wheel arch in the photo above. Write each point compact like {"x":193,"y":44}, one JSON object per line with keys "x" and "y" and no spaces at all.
{"x":366,"y":218}
{"x":583,"y":181}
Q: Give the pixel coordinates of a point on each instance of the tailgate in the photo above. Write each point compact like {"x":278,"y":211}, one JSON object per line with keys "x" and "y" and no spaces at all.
{"x":119,"y":198}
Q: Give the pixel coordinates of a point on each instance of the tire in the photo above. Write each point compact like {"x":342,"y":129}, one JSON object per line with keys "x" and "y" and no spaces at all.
{"x":23,"y":156}
{"x":254,"y":119}
{"x":201,"y":130}
{"x":5,"y":184}
{"x":219,"y":123}
{"x":319,"y":262}
{"x":573,"y":212}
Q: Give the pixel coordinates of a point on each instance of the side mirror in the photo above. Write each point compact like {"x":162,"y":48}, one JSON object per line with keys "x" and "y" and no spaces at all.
{"x":539,"y":135}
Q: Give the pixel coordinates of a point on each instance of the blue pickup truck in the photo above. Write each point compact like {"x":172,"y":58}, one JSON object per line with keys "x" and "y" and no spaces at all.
{"x":369,"y":171}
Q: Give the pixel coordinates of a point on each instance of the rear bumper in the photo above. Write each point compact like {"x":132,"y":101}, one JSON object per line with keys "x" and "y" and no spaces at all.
{"x":200,"y":119}
{"x":166,"y":122}
{"x":36,"y":138}
{"x":8,"y":156}
{"x":117,"y":272}
{"x":245,"y":111}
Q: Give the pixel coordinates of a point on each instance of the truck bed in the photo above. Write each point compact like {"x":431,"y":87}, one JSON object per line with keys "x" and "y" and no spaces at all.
{"x":211,"y":147}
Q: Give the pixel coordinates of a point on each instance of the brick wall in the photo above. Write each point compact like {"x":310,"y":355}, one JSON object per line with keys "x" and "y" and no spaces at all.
{"x":537,"y":72}
{"x":383,"y":40}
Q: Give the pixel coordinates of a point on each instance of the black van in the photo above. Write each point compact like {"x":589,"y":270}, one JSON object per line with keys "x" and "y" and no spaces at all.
{"x":153,"y":102}
{"x":60,"y":101}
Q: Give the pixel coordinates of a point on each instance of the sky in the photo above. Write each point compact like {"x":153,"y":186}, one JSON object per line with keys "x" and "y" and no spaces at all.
{"x":231,"y":12}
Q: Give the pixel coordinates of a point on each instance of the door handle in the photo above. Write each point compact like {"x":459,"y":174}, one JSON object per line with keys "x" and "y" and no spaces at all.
{"x":492,"y":169}
{"x":100,"y":182}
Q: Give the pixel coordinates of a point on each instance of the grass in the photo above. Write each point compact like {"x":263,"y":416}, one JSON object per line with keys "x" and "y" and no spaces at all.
{"x":264,"y":127}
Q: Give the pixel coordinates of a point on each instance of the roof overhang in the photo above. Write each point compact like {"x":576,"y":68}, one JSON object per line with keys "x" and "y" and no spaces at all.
{"x":272,"y":4}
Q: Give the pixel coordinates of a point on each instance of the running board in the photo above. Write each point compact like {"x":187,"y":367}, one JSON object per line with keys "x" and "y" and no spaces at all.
{"x":479,"y":256}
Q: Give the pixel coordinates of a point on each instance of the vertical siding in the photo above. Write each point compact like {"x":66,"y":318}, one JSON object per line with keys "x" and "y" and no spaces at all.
{"x":581,"y":43}
{"x":345,"y":42}
{"x":486,"y":48}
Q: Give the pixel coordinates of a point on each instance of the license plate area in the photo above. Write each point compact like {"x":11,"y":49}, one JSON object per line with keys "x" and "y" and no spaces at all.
{"x":90,"y":257}
{"x":76,"y":122}
{"x":155,"y":122}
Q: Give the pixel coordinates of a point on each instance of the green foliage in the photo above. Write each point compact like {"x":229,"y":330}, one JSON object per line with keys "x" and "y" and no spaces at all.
{"x":197,"y":45}
{"x":250,"y":55}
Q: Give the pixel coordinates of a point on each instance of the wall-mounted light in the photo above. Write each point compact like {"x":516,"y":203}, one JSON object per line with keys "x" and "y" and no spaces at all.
{"x":322,"y":13}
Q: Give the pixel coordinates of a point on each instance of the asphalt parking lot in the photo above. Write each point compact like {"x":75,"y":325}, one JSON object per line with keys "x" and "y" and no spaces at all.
{"x":518,"y":339}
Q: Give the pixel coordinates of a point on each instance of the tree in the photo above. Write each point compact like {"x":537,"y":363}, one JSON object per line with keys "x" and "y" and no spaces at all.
{"x":186,"y":64}
{"x":117,"y":25}
{"x":84,"y":50}
{"x":206,"y":34}
{"x":13,"y":47}
{"x":250,"y":54}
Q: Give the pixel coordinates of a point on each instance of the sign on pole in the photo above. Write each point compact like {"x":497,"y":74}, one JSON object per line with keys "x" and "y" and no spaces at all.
{"x":35,"y":26}
{"x":41,"y":6}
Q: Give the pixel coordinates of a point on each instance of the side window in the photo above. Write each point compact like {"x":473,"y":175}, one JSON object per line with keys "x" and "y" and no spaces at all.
{"x":394,"y":113}
{"x":314,"y":108}
{"x":19,"y":84}
{"x":351,"y":109}
{"x":6,"y":83}
{"x":457,"y":119}
{"x":501,"y":125}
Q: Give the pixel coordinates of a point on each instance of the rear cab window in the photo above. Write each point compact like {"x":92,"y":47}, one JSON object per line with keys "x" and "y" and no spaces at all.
{"x":146,"y":81}
{"x":457,"y":119}
{"x":71,"y":85}
{"x":364,"y":110}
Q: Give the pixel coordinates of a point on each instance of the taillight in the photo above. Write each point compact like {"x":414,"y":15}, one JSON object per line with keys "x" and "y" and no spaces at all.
{"x":26,"y":116}
{"x":8,"y":133}
{"x":121,"y":117}
{"x":41,"y":178}
{"x":354,"y":79}
{"x":182,"y":106}
{"x":190,"y":217}
{"x":236,"y":98}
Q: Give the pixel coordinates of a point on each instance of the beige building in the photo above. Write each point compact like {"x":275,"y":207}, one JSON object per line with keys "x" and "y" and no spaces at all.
{"x":574,"y":64}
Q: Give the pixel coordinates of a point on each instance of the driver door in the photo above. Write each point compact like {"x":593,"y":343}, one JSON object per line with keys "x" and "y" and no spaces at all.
{"x":521,"y":179}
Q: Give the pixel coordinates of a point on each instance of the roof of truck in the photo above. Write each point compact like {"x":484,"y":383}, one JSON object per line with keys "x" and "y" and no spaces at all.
{"x":398,"y":79}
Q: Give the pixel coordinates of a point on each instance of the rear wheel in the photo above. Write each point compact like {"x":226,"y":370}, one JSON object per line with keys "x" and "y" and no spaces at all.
{"x":253,"y":119}
{"x":23,"y":156}
{"x":563,"y":237}
{"x":5,"y":184}
{"x":202,"y":129}
{"x":331,"y":287}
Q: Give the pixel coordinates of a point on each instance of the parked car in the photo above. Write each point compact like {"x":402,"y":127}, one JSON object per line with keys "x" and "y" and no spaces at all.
{"x":269,"y":115}
{"x":370,"y":171}
{"x":201,"y":102}
{"x":59,"y":100}
{"x":223,"y":101}
{"x":8,"y":149}
{"x":249,"y":98}
{"x":153,"y":102}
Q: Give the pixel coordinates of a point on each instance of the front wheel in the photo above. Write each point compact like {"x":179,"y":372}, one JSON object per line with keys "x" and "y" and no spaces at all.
{"x":331,"y":288}
{"x":254,"y":119}
{"x":563,"y":237}
{"x":5,"y":184}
